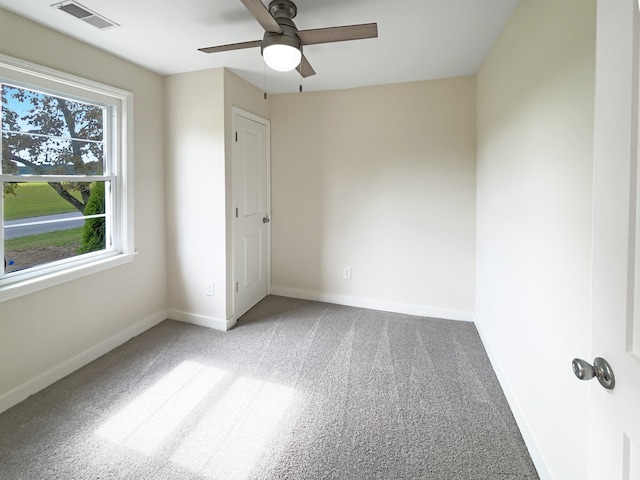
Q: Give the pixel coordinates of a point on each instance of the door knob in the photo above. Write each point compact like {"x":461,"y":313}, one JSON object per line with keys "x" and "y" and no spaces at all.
{"x":600,"y":369}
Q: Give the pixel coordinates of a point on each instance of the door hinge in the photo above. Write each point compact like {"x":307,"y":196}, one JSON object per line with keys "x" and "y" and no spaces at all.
{"x":236,"y":212}
{"x":237,"y":287}
{"x":236,"y":136}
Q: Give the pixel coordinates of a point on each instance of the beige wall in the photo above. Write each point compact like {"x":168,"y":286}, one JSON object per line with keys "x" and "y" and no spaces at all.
{"x":195,"y":145}
{"x":382,"y":180}
{"x":400,"y":186}
{"x":534,"y":194}
{"x":199,"y":196}
{"x":48,"y":334}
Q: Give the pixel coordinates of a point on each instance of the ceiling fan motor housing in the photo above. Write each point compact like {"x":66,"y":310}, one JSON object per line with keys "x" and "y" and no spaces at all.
{"x":289,"y":35}
{"x":283,"y":9}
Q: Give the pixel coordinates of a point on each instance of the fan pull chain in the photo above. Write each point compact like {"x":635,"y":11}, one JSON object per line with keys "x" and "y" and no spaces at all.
{"x":300,"y":79}
{"x":265,"y":79}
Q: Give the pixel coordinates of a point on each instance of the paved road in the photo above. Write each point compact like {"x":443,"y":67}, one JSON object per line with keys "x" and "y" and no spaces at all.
{"x":63,"y":221}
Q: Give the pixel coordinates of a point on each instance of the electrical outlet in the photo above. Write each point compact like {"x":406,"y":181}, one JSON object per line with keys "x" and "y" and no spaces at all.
{"x":346,"y":273}
{"x":210,"y":289}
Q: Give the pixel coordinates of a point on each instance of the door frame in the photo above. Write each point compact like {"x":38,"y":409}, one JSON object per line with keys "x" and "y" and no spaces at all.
{"x":235,"y":112}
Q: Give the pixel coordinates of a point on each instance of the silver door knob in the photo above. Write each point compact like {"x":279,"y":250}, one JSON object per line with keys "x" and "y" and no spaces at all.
{"x":600,"y":369}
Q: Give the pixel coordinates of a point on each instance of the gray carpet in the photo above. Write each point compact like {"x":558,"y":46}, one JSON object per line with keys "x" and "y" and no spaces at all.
{"x":297,"y":390}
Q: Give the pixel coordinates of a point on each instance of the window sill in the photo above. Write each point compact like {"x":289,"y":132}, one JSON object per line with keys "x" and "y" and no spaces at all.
{"x":49,"y":280}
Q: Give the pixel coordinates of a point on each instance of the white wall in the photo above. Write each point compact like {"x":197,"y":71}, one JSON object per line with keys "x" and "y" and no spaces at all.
{"x":534,"y":192}
{"x":46,"y":335}
{"x":382,"y":180}
{"x":196,"y":241}
{"x":199,"y":196}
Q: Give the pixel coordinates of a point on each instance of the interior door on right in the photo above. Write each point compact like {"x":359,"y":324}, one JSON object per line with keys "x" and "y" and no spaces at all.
{"x":251,"y":211}
{"x":614,"y":435}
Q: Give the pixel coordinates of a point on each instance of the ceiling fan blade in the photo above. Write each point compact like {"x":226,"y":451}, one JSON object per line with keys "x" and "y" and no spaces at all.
{"x":231,"y":46}
{"x":305,"y":69}
{"x":338,"y":34}
{"x":262,"y":15}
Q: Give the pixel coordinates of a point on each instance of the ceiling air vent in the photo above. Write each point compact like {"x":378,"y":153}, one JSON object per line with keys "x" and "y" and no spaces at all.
{"x":84,"y":14}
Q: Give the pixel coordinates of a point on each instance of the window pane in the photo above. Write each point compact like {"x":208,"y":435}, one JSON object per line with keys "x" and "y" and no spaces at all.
{"x":25,"y":110}
{"x":36,"y":155}
{"x":47,"y":222}
{"x":69,"y":135}
{"x":46,"y":135}
{"x":40,"y":249}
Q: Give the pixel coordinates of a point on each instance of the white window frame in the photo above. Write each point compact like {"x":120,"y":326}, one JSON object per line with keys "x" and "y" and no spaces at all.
{"x":120,"y":107}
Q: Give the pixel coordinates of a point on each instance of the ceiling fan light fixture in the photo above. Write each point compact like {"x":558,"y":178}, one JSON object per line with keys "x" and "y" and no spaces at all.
{"x":282,"y":58}
{"x":282,"y":51}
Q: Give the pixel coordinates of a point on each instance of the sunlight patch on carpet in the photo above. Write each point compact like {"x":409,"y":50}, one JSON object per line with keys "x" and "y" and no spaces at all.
{"x":152,"y":417}
{"x":229,"y":440}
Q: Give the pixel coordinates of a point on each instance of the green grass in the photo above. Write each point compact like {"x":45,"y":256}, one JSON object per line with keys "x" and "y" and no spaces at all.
{"x":44,"y":240}
{"x":34,"y":200}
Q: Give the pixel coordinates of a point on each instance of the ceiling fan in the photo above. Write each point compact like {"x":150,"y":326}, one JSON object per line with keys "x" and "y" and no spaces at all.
{"x":282,"y":43}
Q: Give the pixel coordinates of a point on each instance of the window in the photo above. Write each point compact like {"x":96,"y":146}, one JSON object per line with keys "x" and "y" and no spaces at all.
{"x":66,"y":204}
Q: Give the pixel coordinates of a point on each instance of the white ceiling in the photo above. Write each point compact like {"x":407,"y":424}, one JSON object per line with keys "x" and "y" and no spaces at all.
{"x":418,"y":39}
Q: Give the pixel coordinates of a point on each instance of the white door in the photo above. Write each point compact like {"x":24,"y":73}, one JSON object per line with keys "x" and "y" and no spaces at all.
{"x":614,"y":435}
{"x":250,"y":210}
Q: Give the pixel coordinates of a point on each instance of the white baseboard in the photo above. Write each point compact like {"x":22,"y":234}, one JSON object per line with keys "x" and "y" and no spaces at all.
{"x":374,"y":304}
{"x":20,"y":393}
{"x":202,"y":320}
{"x":523,"y":425}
